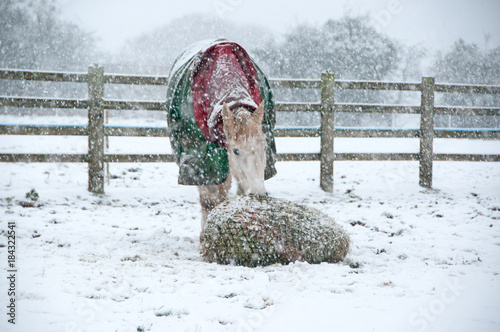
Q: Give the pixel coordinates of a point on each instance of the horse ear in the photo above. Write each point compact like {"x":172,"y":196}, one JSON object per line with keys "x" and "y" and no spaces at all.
{"x":227,"y":120}
{"x":259,"y":112}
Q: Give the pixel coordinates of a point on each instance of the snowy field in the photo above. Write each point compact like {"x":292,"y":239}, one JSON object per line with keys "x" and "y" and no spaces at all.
{"x":421,"y":260}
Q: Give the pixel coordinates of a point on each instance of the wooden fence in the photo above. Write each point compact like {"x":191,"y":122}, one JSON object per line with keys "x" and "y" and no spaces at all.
{"x":97,"y":132}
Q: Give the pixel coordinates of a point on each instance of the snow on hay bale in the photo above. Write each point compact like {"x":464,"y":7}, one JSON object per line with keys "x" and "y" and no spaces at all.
{"x":261,"y":230}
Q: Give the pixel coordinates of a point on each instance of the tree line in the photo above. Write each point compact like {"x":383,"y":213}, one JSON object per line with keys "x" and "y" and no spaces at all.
{"x":34,"y":36}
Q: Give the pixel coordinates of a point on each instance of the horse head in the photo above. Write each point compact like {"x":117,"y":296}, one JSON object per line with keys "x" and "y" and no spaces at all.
{"x":246,"y":145}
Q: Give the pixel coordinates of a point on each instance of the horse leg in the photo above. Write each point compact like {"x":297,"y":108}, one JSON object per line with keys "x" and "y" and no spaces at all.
{"x":240,"y":191}
{"x":210,"y":197}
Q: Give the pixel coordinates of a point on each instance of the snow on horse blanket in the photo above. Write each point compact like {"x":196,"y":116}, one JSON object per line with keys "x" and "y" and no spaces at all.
{"x":203,"y":78}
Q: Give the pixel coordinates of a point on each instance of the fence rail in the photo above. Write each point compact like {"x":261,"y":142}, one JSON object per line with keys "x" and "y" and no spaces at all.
{"x":97,"y":131}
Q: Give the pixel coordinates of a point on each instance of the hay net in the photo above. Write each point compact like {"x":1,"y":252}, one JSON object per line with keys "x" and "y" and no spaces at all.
{"x":261,"y":230}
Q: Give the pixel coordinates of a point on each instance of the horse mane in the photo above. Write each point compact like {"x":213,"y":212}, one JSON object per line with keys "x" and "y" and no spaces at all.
{"x":245,"y":126}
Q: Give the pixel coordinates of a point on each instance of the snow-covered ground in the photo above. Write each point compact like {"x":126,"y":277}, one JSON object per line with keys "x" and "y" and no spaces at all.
{"x":421,"y":260}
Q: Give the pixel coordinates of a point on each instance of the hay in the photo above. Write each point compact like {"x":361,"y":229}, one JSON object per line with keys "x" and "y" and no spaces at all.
{"x":261,"y":230}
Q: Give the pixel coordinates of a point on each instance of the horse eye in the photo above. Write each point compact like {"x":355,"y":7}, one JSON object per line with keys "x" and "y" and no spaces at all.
{"x":236,"y":152}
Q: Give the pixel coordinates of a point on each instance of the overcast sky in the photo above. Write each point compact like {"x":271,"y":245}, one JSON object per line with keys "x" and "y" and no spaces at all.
{"x":435,"y":24}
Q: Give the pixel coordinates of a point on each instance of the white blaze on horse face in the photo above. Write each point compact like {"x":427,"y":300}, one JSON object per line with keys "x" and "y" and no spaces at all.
{"x":246,"y":145}
{"x":247,"y":164}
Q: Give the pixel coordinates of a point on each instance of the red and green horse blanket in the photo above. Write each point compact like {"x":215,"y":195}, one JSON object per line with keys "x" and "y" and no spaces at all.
{"x":203,"y":78}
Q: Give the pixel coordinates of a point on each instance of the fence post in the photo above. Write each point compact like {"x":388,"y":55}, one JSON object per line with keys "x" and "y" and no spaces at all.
{"x":426,"y":132}
{"x":96,"y":129}
{"x":327,"y":130}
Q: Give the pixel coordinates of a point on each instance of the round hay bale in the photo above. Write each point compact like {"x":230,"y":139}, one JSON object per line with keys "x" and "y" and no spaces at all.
{"x":261,"y":230}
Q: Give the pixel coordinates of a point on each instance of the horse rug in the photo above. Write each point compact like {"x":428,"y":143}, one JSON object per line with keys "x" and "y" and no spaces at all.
{"x":203,"y":78}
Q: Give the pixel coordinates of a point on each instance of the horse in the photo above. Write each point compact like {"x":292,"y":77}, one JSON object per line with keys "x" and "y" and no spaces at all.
{"x":221,"y":119}
{"x":246,"y":145}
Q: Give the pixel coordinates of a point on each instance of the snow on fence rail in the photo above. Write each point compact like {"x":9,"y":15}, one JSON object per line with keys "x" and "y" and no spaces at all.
{"x":97,"y":132}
